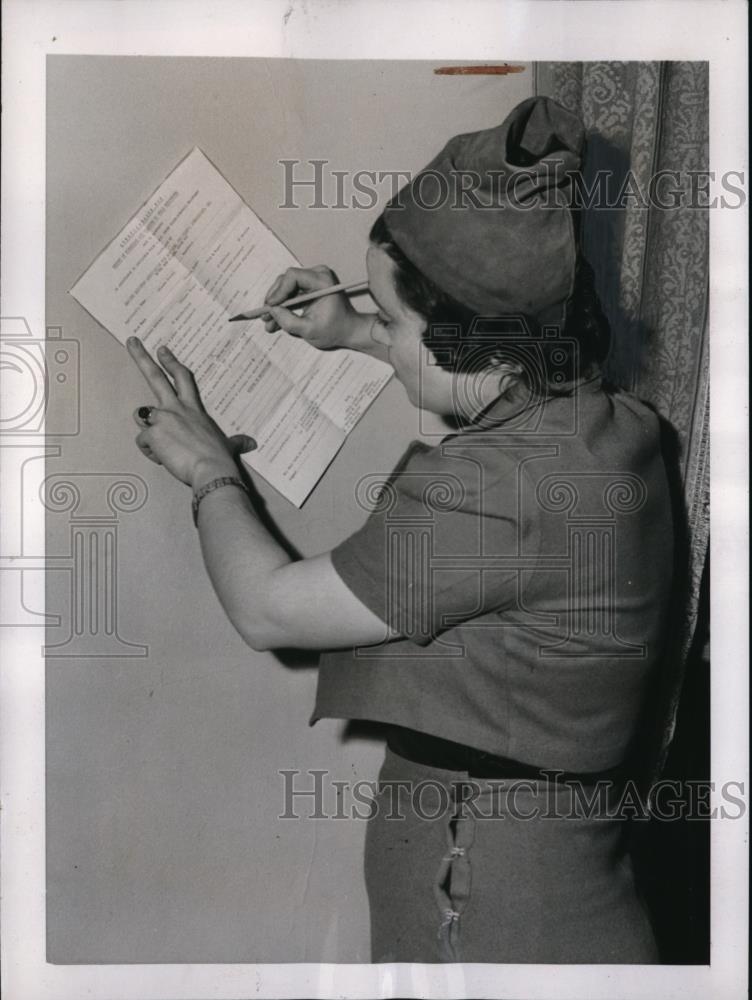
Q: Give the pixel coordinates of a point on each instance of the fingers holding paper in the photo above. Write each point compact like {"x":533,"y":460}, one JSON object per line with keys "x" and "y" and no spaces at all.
{"x":177,"y":432}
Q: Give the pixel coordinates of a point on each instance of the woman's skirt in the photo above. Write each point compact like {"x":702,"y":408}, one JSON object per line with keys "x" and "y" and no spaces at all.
{"x":462,"y":869}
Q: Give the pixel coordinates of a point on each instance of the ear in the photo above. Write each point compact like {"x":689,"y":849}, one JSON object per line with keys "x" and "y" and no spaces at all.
{"x":509,"y":374}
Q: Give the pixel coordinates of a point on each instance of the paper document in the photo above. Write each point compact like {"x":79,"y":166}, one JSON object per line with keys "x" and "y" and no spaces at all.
{"x":192,"y":256}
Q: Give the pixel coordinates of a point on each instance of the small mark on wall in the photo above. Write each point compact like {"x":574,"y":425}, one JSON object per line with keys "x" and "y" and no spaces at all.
{"x":502,"y":70}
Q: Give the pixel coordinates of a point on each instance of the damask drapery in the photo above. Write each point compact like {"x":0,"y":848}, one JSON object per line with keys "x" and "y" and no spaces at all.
{"x":648,"y":245}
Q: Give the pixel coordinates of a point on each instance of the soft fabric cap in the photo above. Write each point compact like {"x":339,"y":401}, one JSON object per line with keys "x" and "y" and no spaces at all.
{"x":488,"y":221}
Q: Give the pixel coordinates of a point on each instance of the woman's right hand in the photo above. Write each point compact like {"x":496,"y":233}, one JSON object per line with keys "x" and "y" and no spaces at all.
{"x":326,"y":322}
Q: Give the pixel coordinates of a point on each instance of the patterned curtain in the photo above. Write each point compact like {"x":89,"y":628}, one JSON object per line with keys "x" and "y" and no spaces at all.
{"x":651,"y":266}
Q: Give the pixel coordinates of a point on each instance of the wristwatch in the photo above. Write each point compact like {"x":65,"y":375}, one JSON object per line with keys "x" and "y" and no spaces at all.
{"x":215,"y":484}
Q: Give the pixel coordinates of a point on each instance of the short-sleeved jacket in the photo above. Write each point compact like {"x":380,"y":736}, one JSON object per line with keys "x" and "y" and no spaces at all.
{"x":527,"y":560}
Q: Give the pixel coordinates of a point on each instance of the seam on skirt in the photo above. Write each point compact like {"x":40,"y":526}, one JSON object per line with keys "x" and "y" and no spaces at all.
{"x":452,"y":883}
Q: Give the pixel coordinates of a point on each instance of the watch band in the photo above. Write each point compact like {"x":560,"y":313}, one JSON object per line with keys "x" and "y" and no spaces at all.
{"x":215,"y":484}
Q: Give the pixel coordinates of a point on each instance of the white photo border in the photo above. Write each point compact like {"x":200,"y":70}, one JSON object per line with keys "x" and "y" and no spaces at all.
{"x":443,"y":30}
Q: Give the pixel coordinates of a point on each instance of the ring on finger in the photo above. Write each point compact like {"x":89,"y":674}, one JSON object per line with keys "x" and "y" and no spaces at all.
{"x":144,"y":414}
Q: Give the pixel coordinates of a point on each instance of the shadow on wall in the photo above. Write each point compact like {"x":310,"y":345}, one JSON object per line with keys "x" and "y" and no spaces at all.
{"x":672,"y":858}
{"x":603,"y":243}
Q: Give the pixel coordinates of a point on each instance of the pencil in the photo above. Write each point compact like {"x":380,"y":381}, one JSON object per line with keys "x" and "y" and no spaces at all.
{"x":300,"y":300}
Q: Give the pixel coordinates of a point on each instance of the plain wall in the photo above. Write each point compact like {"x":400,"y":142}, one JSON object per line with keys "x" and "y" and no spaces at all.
{"x":163,"y":786}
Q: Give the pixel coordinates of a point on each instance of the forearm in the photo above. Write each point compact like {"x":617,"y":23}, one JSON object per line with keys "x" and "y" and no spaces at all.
{"x":240,"y":557}
{"x":272,"y":600}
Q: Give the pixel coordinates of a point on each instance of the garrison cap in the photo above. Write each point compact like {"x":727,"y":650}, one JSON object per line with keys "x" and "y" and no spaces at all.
{"x":488,"y":220}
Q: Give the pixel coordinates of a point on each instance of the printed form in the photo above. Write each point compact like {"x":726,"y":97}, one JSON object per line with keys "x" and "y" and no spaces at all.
{"x":194,"y":255}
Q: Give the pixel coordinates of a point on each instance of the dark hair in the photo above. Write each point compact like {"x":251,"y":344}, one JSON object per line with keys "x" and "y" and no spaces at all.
{"x":584,"y":320}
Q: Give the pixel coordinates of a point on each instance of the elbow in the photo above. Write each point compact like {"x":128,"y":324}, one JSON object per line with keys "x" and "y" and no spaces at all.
{"x":261,"y":623}
{"x":261,"y":636}
{"x":255,"y":637}
{"x":255,"y":643}
{"x":262,"y":645}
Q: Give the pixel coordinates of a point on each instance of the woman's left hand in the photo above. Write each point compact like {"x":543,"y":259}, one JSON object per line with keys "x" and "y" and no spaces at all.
{"x":180,"y":434}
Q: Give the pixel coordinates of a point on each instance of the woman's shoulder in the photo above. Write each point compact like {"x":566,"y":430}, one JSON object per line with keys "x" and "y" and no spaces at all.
{"x":456,"y":473}
{"x":634,"y":406}
{"x":630,"y":421}
{"x":600,"y":424}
